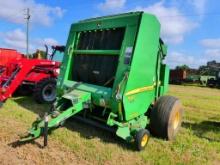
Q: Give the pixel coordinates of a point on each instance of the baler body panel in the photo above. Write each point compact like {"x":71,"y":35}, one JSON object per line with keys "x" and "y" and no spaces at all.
{"x":129,"y":23}
{"x":116,"y":62}
{"x":135,"y":54}
{"x":142,"y":74}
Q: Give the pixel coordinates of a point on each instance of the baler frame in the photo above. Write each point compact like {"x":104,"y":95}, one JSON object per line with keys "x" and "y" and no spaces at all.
{"x":126,"y":104}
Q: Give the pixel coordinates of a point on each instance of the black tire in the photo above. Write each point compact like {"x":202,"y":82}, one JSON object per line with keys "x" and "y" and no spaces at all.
{"x":166,"y":117}
{"x":45,"y":91}
{"x":24,"y":90}
{"x":141,"y":139}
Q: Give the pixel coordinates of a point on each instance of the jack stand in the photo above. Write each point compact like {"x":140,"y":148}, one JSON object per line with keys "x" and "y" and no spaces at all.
{"x":45,"y":129}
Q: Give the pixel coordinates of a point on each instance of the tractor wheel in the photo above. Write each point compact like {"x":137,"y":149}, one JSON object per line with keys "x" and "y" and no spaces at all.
{"x":45,"y":91}
{"x":166,"y":117}
{"x":141,"y":139}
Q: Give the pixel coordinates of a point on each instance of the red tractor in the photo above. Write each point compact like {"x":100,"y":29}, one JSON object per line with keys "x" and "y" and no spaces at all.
{"x":37,"y":75}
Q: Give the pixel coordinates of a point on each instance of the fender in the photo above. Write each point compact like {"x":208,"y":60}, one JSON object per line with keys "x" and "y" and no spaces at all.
{"x":35,"y":77}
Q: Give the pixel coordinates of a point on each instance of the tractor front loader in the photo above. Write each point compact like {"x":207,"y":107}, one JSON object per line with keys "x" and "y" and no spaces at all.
{"x":34,"y":75}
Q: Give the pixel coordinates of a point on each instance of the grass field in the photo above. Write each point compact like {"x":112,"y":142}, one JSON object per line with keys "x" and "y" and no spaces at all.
{"x":198,"y":141}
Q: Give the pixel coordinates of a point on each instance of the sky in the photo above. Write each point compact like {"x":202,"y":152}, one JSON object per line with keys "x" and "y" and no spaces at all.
{"x":190,"y":28}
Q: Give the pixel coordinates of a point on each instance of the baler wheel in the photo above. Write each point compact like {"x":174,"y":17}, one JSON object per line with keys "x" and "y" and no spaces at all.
{"x":45,"y":91}
{"x":141,"y":139}
{"x":166,"y":117}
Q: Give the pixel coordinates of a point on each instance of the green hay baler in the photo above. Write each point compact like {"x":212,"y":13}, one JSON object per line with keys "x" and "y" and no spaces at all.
{"x":113,"y":76}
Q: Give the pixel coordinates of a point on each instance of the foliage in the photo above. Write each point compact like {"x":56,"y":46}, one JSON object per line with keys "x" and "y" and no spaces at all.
{"x":182,"y":67}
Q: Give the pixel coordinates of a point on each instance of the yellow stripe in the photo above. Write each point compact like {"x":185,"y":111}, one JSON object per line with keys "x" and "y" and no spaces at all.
{"x":139,"y":90}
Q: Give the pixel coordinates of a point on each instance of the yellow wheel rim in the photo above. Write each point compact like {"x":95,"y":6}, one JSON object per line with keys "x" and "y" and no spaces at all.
{"x":144,"y":140}
{"x":176,"y":120}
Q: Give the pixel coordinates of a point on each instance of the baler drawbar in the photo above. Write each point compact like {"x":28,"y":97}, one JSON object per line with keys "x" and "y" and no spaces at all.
{"x":76,"y":101}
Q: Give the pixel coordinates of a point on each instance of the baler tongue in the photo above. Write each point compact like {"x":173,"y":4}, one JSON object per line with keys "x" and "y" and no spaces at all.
{"x":76,"y":98}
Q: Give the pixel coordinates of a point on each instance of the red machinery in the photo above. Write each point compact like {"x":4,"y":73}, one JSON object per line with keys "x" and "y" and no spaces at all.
{"x":36,"y":75}
{"x":7,"y":55}
{"x":177,"y":76}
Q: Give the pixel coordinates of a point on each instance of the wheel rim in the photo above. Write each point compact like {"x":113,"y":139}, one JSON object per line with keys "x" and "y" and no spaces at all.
{"x":49,"y":92}
{"x":144,"y":140}
{"x":176,"y":120}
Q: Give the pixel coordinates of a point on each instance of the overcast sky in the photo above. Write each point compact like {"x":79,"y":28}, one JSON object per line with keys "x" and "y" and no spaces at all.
{"x":189,"y":27}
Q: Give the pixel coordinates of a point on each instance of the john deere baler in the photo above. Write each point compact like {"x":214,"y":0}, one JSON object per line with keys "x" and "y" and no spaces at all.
{"x":113,"y":76}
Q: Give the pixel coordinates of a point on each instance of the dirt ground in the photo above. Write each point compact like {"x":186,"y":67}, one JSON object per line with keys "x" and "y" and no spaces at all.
{"x":11,"y":152}
{"x":198,"y":141}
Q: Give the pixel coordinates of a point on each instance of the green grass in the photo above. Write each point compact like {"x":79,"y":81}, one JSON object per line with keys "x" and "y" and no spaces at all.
{"x":198,"y":141}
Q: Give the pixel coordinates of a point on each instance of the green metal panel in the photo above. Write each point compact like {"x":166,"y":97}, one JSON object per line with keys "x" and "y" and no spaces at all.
{"x":66,"y":64}
{"x":139,"y":80}
{"x":164,"y":79}
{"x":107,"y":22}
{"x":128,"y":21}
{"x":142,"y":37}
{"x":78,"y":98}
{"x":142,"y":74}
{"x":98,"y":93}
